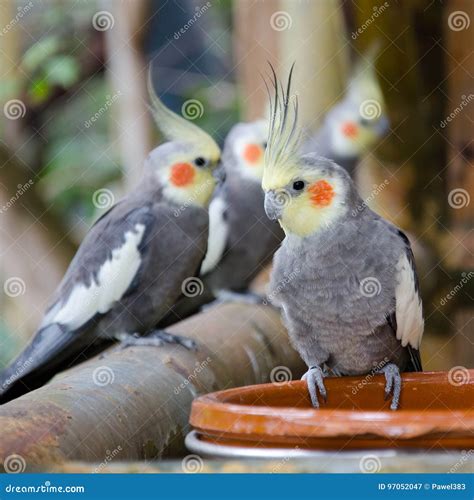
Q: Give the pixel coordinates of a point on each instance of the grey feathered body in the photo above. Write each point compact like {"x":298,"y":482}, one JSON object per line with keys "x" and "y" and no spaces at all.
{"x":252,"y":239}
{"x":317,"y":282}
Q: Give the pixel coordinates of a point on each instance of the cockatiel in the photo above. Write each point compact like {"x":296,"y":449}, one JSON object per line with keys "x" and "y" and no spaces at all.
{"x":354,"y":124}
{"x":242,"y":240}
{"x":131,"y":266}
{"x":344,"y":277}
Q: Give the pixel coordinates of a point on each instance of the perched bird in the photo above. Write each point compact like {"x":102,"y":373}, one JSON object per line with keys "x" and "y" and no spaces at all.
{"x":344,"y":277}
{"x":242,"y":240}
{"x":356,"y":123}
{"x":131,"y":266}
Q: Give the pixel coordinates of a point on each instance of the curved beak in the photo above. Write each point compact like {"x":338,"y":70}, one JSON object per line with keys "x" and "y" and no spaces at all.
{"x":273,"y":208}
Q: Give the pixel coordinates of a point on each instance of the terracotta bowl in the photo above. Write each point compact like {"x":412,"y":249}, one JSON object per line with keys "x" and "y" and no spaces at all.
{"x":435,"y":411}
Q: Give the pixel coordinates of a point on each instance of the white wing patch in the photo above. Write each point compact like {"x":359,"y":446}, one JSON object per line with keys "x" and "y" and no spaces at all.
{"x":113,"y":279}
{"x":218,"y":232}
{"x":409,"y":312}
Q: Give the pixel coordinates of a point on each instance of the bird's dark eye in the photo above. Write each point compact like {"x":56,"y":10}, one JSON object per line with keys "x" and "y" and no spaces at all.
{"x":364,"y":122}
{"x":298,"y":185}
{"x":200,"y":161}
{"x":265,"y":145}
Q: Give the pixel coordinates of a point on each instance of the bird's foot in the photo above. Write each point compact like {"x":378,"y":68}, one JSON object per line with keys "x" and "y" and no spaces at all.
{"x":315,"y":380}
{"x":393,"y":383}
{"x":228,"y":296}
{"x":155,"y":338}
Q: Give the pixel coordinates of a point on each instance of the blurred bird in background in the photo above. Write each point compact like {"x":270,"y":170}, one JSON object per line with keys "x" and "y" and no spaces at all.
{"x":344,"y":277}
{"x":130,"y":268}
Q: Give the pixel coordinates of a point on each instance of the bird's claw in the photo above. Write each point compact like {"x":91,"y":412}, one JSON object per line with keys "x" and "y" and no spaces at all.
{"x":393,"y":384}
{"x":314,"y":378}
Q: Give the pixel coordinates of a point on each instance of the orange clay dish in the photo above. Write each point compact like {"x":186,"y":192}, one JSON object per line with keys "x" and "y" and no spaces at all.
{"x":436,"y":411}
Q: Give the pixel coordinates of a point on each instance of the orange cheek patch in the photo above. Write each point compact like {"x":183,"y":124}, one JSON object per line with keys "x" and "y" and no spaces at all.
{"x":349,"y":129}
{"x":252,"y":153}
{"x":321,"y":193}
{"x":182,"y":174}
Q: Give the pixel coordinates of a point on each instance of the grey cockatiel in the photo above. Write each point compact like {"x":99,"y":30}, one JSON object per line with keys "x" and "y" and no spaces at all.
{"x":355,"y":123}
{"x":344,"y":277}
{"x":242,"y":240}
{"x":131,"y":266}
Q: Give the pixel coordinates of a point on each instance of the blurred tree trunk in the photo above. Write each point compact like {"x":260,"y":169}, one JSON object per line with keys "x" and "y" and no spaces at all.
{"x":128,"y":74}
{"x":282,"y":32}
{"x":33,"y":247}
{"x":460,"y":168}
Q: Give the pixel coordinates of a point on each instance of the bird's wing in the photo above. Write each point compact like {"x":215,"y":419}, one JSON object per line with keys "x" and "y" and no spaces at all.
{"x":103,"y":269}
{"x":408,"y":308}
{"x":218,"y":234}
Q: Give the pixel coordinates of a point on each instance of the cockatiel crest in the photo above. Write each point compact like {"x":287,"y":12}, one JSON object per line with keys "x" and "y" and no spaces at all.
{"x":301,"y":193}
{"x":191,"y":156}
